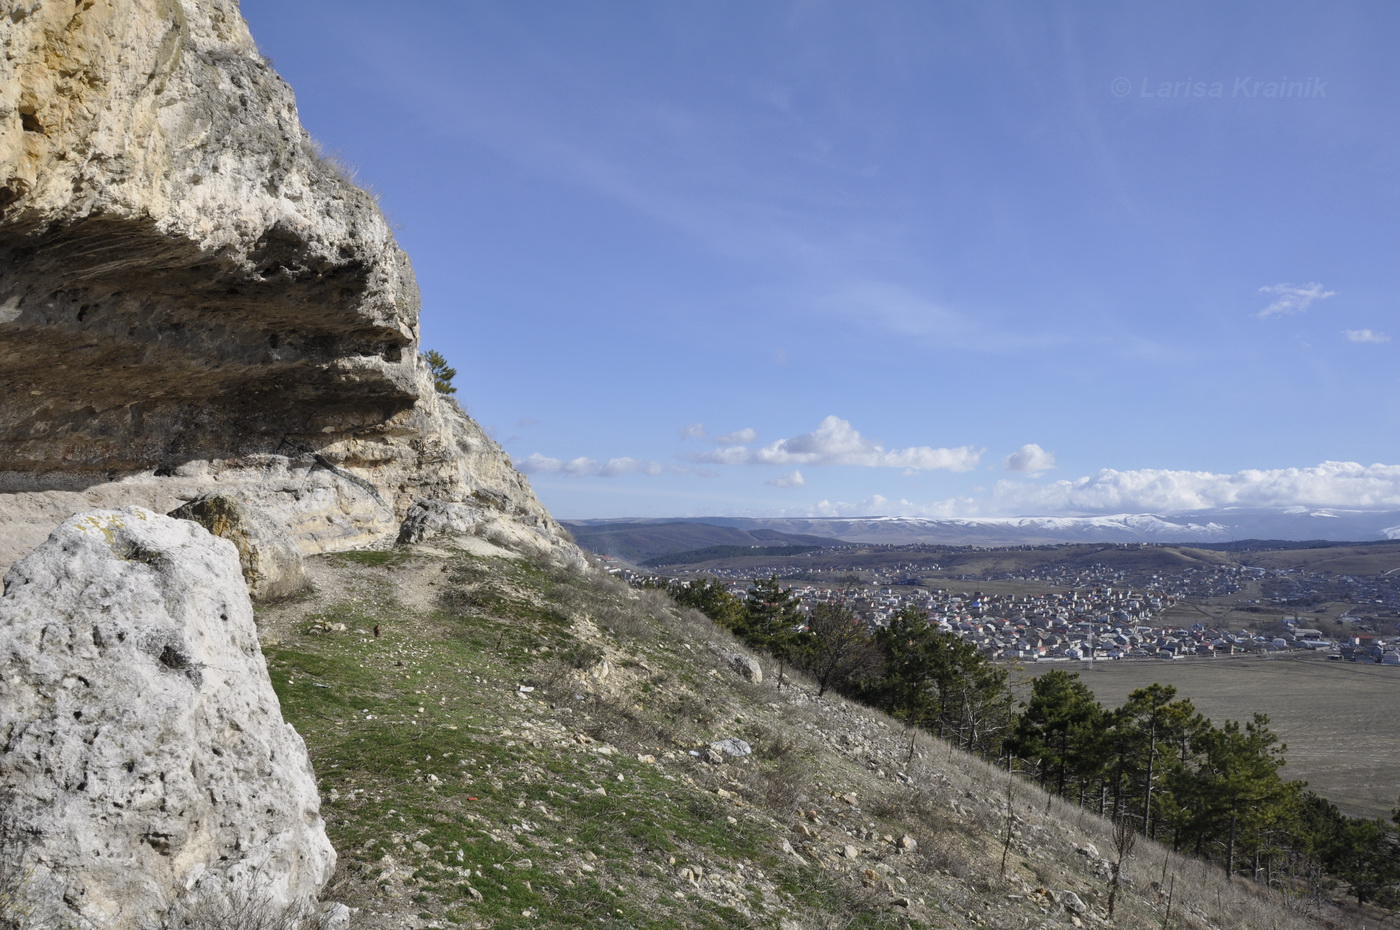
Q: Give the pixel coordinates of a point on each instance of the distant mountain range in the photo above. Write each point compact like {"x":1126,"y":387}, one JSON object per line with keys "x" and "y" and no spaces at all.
{"x":636,"y":540}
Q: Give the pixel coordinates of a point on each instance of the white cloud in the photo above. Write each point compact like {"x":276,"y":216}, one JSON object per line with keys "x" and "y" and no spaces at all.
{"x":1292,"y":298}
{"x":698,"y":431}
{"x":537,"y":464}
{"x":1365,"y":335}
{"x":793,"y":480}
{"x":836,"y":442}
{"x":1031,"y":459}
{"x":1331,"y":484}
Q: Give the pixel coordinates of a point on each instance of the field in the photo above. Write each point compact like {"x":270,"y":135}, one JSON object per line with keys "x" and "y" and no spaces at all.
{"x":1338,"y":718}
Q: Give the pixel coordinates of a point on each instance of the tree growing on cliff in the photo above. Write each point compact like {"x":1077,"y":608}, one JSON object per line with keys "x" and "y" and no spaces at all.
{"x":442,"y":372}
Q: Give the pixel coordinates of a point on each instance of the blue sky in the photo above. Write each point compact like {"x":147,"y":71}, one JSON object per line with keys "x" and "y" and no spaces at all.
{"x":840,"y":258}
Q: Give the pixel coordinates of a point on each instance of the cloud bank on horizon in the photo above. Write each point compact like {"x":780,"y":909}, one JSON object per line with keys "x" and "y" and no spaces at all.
{"x":835,"y":443}
{"x":1331,"y":485}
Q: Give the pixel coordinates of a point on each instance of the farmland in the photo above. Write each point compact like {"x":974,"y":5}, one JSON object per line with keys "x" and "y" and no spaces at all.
{"x":1338,"y":718}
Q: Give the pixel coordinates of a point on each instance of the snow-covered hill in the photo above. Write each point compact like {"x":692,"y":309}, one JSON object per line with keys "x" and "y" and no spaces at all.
{"x":1199,"y":526}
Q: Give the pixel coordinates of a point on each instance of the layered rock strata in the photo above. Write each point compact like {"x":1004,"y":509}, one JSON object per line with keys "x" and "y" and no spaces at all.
{"x":194,"y":300}
{"x":146,"y":765}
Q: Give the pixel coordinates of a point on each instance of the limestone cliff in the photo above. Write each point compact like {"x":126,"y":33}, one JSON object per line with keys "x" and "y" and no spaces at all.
{"x":194,"y":300}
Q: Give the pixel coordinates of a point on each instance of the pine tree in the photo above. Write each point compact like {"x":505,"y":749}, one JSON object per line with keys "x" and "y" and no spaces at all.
{"x":1145,"y":732}
{"x":1060,"y":730}
{"x":771,"y":621}
{"x":910,"y":646}
{"x":711,"y":598}
{"x":1238,"y":790}
{"x":442,"y":372}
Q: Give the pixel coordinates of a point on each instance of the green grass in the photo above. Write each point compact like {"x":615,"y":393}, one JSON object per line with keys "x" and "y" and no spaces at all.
{"x":488,"y":812}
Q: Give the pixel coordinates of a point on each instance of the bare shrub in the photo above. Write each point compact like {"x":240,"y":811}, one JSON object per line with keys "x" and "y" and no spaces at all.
{"x":556,"y":677}
{"x":1124,"y":839}
{"x":949,"y":853}
{"x":244,"y":909}
{"x":693,"y":624}
{"x":781,"y":772}
{"x":611,"y":721}
{"x":623,"y":618}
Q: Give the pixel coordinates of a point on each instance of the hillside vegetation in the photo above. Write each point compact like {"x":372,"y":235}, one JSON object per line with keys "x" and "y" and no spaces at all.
{"x":500,"y":744}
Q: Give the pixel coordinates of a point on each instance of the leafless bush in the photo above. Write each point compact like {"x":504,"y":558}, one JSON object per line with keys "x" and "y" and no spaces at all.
{"x":949,"y":853}
{"x":781,"y":769}
{"x":610,"y":720}
{"x":692,"y":624}
{"x":246,"y":907}
{"x":556,"y":677}
{"x":1124,"y":839}
{"x":917,"y":806}
{"x":623,"y":618}
{"x":844,"y":904}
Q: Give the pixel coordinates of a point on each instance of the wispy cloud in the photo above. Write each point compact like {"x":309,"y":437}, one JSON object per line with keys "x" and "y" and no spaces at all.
{"x":736,"y":437}
{"x":693,"y":431}
{"x":1292,"y":298}
{"x":537,"y":464}
{"x":793,"y":480}
{"x":1365,"y":335}
{"x":836,"y":442}
{"x":1030,"y":459}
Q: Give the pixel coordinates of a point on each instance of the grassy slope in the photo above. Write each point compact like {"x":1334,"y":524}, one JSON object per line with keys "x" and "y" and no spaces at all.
{"x":457,"y":797}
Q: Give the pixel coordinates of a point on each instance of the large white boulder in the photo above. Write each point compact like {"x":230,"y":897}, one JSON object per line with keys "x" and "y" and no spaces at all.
{"x":142,"y":749}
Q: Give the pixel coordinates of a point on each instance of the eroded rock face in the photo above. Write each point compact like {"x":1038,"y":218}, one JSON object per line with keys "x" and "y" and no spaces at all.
{"x":193,"y":300}
{"x":271,"y":563}
{"x":144,"y":749}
